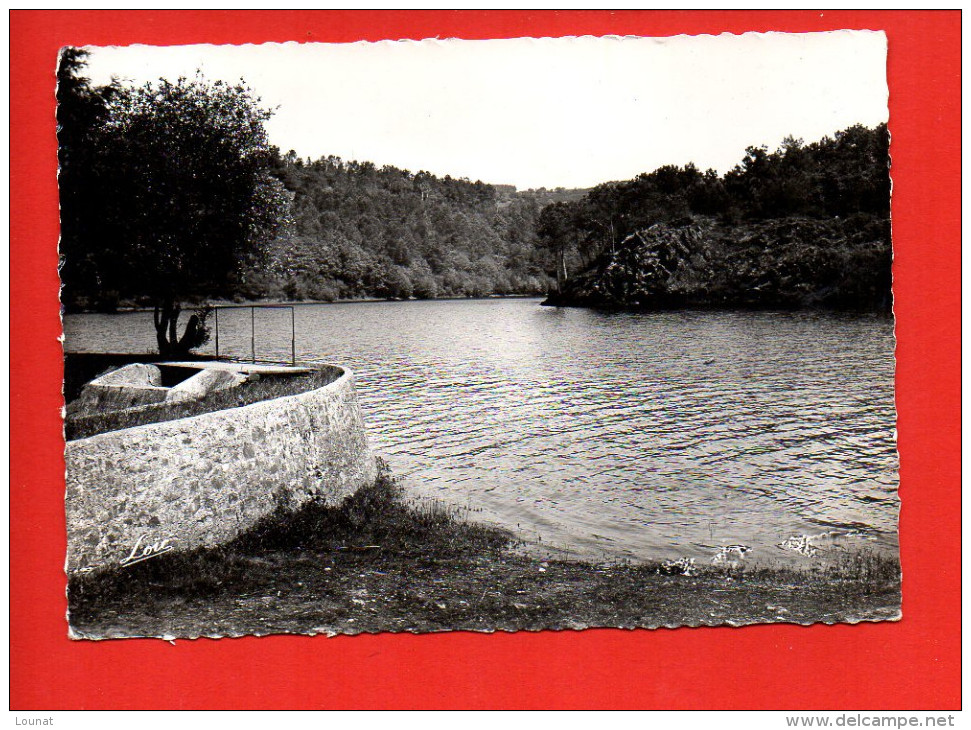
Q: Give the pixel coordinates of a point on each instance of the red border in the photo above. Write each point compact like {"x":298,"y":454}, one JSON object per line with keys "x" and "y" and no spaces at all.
{"x":911,"y":664}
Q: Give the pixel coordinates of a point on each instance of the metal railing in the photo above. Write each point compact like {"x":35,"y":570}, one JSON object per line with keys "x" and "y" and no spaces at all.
{"x":253,"y":308}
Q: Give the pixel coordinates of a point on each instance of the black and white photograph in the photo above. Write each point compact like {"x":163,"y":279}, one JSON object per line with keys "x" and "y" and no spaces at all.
{"x":499,"y":335}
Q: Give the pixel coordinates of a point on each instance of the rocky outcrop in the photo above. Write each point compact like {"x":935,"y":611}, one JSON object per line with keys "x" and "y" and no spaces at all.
{"x":781,"y":263}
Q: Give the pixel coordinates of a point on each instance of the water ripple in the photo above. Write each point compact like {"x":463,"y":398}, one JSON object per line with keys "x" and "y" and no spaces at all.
{"x":623,"y":435}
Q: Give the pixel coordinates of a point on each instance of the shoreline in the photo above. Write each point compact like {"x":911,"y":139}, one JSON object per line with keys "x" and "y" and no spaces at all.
{"x":545,"y":300}
{"x":229,"y":304}
{"x":713,"y":307}
{"x":377,"y":563}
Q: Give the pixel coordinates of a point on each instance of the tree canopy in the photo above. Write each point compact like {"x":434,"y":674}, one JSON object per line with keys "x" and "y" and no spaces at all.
{"x":80,"y":114}
{"x":171,"y":190}
{"x":845,"y":175}
{"x":366,"y":231}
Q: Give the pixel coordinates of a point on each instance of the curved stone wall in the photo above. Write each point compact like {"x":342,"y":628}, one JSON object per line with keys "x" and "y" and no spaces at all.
{"x":137,"y":492}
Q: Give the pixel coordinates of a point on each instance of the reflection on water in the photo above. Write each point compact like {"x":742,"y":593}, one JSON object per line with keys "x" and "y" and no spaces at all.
{"x":610,"y":435}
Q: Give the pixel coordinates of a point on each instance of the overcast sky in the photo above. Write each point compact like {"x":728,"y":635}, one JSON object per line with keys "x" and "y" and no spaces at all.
{"x":542,"y":112}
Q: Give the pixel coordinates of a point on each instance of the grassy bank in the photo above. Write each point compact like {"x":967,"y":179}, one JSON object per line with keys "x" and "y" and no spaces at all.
{"x":377,"y":563}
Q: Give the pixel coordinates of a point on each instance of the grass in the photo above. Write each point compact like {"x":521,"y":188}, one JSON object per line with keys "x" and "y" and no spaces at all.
{"x":251,"y":391}
{"x":377,"y":563}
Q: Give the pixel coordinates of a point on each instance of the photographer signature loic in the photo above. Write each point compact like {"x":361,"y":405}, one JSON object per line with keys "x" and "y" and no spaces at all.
{"x":145,"y":550}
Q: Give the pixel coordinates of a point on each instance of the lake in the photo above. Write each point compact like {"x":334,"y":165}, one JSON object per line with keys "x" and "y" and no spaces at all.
{"x":609,"y":435}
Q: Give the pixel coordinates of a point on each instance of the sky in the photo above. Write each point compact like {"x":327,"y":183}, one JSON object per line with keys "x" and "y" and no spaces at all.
{"x":565,"y":112}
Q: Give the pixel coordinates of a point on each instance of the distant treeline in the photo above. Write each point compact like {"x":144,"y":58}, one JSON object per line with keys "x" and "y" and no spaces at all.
{"x":363,"y":231}
{"x":806,"y":225}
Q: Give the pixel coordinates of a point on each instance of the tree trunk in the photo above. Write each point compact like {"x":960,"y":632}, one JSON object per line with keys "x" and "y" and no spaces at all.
{"x":561,"y":274}
{"x":191,"y":334}
{"x":167,"y":330}
{"x":166,"y":327}
{"x":174,"y":326}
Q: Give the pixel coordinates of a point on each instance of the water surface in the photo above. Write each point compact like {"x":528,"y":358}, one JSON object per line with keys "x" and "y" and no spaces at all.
{"x":642,"y":436}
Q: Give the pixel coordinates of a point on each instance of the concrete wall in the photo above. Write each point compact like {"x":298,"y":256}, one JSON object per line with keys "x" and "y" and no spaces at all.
{"x":203,"y":480}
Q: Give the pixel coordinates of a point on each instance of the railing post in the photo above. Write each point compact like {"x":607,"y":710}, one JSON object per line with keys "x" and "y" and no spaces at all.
{"x":293,"y":337}
{"x":252,"y":332}
{"x":216,"y":312}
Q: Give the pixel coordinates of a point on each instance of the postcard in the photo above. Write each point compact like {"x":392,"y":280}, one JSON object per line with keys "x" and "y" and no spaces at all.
{"x":523,"y":334}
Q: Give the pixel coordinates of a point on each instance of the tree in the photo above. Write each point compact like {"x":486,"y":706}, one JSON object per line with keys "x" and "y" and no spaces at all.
{"x":81,"y":111}
{"x":186,"y":198}
{"x":556,"y":233}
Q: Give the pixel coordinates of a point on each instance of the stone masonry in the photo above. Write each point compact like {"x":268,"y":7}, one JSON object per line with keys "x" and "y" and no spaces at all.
{"x":203,"y":480}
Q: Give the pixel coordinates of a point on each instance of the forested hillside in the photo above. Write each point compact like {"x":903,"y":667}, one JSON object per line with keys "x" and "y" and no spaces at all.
{"x":363,"y":231}
{"x":806,"y":225}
